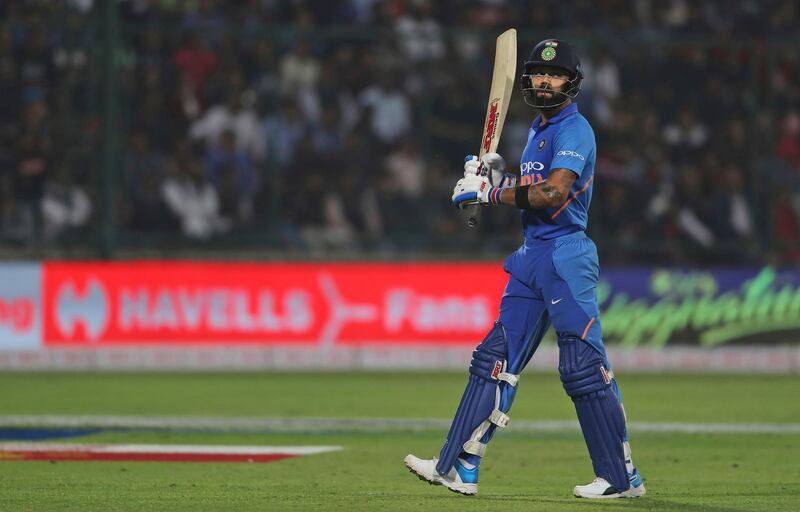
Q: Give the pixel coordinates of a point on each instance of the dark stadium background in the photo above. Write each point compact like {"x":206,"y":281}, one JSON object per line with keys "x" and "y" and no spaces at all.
{"x":336,"y":129}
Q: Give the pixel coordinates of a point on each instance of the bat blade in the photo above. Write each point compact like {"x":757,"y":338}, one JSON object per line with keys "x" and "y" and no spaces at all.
{"x":505,"y":69}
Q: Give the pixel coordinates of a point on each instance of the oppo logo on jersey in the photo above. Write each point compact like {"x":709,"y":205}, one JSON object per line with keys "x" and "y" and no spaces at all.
{"x":527,"y":167}
{"x":530,"y":172}
{"x":571,"y":153}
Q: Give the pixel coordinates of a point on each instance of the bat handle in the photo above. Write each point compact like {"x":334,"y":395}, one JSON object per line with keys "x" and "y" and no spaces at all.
{"x":472,"y":221}
{"x":475,"y":209}
{"x":474,"y":214}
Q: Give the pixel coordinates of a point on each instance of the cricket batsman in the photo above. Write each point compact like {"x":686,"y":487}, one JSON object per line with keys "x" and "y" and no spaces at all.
{"x":552,"y":280}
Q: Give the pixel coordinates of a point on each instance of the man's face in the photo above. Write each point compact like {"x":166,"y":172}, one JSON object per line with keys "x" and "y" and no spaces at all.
{"x":544,"y":77}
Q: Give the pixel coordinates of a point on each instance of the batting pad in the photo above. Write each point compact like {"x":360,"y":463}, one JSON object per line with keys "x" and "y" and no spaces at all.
{"x":479,"y":407}
{"x":588,"y":383}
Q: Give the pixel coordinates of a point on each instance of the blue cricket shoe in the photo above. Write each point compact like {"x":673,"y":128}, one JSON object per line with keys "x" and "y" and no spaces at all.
{"x":459,"y":479}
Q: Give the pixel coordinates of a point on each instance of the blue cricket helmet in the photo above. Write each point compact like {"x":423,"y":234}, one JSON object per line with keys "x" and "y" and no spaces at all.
{"x":552,"y":53}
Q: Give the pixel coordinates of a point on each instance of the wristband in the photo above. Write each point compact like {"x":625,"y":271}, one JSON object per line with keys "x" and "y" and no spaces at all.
{"x":521,"y":198}
{"x":494,"y":195}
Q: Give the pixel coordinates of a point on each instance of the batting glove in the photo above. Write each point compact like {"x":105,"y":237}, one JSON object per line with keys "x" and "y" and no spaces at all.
{"x":472,"y":166}
{"x":475,"y":189}
{"x":492,"y":165}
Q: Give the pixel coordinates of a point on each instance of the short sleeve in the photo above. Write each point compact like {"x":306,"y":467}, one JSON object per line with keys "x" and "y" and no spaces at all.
{"x":572,"y":147}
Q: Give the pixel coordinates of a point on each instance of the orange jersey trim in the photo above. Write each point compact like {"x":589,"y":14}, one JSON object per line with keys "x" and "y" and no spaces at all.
{"x":563,"y":206}
{"x":586,"y":331}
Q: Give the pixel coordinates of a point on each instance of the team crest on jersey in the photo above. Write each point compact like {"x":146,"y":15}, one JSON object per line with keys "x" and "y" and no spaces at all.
{"x":542,"y":143}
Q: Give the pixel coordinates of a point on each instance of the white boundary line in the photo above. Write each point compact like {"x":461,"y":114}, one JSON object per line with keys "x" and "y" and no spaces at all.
{"x":324,"y":425}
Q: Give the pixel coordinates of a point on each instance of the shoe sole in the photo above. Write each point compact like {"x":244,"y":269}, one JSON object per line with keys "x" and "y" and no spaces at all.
{"x":636,"y":492}
{"x":465,"y":492}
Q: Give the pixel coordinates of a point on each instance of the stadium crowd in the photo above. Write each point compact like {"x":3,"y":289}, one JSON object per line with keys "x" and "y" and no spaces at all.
{"x":317,"y":127}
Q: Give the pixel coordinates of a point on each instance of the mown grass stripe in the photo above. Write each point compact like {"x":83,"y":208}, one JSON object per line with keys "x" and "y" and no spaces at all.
{"x":313,"y":425}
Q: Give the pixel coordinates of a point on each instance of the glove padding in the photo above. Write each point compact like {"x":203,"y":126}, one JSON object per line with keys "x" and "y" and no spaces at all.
{"x":474,"y":189}
{"x":492,"y":165}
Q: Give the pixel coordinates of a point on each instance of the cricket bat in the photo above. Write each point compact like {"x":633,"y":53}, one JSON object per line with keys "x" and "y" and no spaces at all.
{"x":505,"y":69}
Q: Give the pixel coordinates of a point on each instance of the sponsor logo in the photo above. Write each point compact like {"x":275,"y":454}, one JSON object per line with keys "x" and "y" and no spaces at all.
{"x":17,"y":314}
{"x":20,"y":306}
{"x":341,"y":311}
{"x":529,"y":179}
{"x":527,"y":167}
{"x":428,"y":313}
{"x":542,"y":143}
{"x":491,"y":124}
{"x":556,"y":301}
{"x":308,"y":304}
{"x":606,"y":378}
{"x":87,"y":307}
{"x":498,"y":367}
{"x":230,"y":309}
{"x":570,"y":153}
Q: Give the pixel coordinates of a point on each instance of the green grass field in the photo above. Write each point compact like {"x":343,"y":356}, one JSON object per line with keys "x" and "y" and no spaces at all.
{"x":526,"y":470}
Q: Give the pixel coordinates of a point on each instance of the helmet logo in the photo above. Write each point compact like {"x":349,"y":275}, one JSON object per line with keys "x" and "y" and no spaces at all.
{"x":549,"y":50}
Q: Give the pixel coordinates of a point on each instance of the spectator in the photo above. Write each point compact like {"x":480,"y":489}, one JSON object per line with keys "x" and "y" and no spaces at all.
{"x":788,"y":147}
{"x":419,"y":33}
{"x":233,"y":174}
{"x":282,"y":132}
{"x":325,"y":225}
{"x":144,"y":171}
{"x":299,"y":69}
{"x":693,"y":209}
{"x":261,"y":69}
{"x":195,"y":62}
{"x":236,"y":115}
{"x":388,"y":108}
{"x":785,"y":229}
{"x":732,"y":220}
{"x":685,"y":135}
{"x":406,"y":170}
{"x":31,"y":162}
{"x":35,"y":66}
{"x":328,"y":133}
{"x":65,"y":205}
{"x":191,"y":198}
{"x":604,"y":84}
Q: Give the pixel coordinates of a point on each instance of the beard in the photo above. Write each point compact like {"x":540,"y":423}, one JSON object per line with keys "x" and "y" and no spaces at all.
{"x":546,"y":98}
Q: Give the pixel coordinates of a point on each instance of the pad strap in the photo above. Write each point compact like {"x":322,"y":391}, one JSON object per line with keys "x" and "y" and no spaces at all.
{"x":508,"y":377}
{"x":499,"y":418}
{"x":475,"y":447}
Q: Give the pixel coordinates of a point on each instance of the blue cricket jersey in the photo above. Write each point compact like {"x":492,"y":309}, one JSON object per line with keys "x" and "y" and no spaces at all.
{"x":565,"y":141}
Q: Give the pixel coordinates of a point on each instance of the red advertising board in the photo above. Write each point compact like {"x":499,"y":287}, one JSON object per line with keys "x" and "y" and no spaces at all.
{"x":102,"y":304}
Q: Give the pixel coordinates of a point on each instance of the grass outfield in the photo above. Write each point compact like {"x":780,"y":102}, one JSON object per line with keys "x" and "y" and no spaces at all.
{"x":524,"y":469}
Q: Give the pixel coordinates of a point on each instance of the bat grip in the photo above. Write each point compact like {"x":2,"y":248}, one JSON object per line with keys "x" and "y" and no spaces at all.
{"x":473,"y":210}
